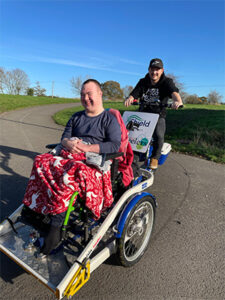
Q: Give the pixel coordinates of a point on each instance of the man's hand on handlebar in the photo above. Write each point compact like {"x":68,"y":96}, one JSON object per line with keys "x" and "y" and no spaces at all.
{"x":129,"y":100}
{"x":176,"y":105}
{"x":177,"y":101}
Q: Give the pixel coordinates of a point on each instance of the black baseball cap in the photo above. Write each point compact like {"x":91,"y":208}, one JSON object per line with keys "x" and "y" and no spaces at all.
{"x":156,"y":63}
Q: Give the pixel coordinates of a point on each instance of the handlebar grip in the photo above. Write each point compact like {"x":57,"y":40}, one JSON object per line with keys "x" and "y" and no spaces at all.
{"x":170,"y":106}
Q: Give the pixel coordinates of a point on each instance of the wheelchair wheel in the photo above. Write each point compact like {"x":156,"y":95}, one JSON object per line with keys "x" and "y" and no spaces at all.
{"x":137,"y":232}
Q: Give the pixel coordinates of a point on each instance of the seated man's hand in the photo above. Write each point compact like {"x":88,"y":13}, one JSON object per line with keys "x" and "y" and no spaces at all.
{"x":77,"y":146}
{"x":87,"y":148}
{"x":71,"y":145}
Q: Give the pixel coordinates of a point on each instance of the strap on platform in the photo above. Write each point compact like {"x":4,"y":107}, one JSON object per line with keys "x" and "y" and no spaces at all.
{"x":11,"y":223}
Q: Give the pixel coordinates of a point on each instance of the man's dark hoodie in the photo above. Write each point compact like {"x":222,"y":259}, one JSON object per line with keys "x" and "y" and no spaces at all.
{"x":153,"y":98}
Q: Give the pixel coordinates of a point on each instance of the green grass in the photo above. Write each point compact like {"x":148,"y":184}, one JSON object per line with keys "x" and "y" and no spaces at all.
{"x":12,"y":102}
{"x":205,"y":106}
{"x":197,"y":130}
{"x":63,"y":116}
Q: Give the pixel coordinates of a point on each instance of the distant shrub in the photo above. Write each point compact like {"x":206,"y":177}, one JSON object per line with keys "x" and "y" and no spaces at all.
{"x":204,"y":100}
{"x":30,"y":92}
{"x":193,"y":99}
{"x":39,"y":91}
{"x":214,"y":97}
{"x":53,"y":97}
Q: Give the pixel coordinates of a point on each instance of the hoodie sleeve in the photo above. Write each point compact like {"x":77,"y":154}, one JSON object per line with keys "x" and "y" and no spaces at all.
{"x":171,"y":87}
{"x":138,"y":90}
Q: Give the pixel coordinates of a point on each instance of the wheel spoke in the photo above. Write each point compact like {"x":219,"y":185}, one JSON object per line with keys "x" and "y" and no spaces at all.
{"x":128,"y":248}
{"x":138,"y":231}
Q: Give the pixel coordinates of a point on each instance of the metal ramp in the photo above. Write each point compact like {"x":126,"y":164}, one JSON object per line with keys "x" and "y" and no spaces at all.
{"x":52,"y":268}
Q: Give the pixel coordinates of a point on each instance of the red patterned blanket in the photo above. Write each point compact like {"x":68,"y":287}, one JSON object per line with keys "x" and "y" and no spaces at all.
{"x":54,"y":179}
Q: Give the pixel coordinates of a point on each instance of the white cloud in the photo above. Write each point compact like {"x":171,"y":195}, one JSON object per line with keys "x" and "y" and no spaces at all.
{"x":73,"y":63}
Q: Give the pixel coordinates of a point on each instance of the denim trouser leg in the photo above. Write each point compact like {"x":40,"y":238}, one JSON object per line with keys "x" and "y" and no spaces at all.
{"x":158,"y":137}
{"x":54,"y":235}
{"x":57,"y":220}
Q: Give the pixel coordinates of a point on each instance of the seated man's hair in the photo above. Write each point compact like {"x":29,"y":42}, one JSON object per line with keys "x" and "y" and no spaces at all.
{"x":92,"y":80}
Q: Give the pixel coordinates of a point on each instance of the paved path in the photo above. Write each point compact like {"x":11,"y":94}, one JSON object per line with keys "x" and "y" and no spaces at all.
{"x":186,"y":257}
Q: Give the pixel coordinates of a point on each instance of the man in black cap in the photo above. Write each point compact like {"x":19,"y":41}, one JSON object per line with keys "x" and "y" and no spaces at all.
{"x":154,"y":90}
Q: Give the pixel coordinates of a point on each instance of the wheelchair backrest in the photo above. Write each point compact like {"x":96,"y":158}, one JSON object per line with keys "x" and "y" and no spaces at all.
{"x":125,"y":162}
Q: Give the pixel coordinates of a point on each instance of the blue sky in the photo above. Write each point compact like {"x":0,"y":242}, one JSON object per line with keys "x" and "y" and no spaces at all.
{"x":114,"y":40}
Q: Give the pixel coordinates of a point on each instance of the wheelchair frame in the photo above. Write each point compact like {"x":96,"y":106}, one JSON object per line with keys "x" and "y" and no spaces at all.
{"x":80,"y":271}
{"x":70,"y":280}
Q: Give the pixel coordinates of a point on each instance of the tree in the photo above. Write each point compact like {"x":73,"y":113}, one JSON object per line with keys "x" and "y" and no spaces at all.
{"x":193,"y":99}
{"x":111,"y":90}
{"x":204,"y":100}
{"x":30,"y":92}
{"x":76,"y":83}
{"x":15,"y":81}
{"x":21,"y":80}
{"x":127,"y":90}
{"x":2,"y":77}
{"x":8,"y":83}
{"x":38,"y":91}
{"x":179,"y":85}
{"x":214,"y":97}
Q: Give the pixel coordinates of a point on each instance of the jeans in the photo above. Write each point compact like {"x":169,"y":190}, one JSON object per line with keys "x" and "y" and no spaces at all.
{"x":158,"y":138}
{"x":58,"y":220}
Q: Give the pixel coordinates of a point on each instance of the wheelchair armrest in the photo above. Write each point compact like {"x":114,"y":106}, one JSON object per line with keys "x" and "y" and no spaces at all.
{"x":51,"y":146}
{"x":108,"y":156}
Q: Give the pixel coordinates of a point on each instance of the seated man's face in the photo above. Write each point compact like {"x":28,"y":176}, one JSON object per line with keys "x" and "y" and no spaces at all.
{"x":91,"y":98}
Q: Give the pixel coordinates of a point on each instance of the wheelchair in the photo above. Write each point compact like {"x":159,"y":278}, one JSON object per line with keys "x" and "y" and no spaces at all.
{"x":124,"y":230}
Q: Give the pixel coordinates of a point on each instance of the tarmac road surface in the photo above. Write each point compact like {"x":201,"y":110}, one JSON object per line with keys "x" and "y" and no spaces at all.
{"x":185,"y":259}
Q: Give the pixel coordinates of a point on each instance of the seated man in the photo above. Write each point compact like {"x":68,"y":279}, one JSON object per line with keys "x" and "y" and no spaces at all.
{"x":55,"y":178}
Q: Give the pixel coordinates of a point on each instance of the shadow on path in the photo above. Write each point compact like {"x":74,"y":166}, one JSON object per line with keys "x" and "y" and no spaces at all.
{"x":12,"y":190}
{"x":13,"y":185}
{"x":31,"y":124}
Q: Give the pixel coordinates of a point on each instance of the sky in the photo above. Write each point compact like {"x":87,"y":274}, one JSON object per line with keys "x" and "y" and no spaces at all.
{"x":55,"y":40}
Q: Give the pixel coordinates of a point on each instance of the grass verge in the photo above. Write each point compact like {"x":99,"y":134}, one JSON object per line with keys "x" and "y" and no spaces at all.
{"x":12,"y":102}
{"x":197,"y":130}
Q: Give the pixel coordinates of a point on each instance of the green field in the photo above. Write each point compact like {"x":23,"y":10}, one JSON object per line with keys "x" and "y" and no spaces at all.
{"x":12,"y":102}
{"x":197,"y":130}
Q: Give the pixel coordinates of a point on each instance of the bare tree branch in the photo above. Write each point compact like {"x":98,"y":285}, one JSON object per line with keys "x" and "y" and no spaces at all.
{"x":179,"y":85}
{"x":2,"y":78}
{"x":14,"y":82}
{"x":127,"y":90}
{"x":214,"y":97}
{"x":76,"y":83}
{"x":38,"y":90}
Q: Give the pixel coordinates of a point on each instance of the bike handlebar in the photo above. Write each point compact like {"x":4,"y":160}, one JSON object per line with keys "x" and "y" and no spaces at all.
{"x":170,"y":106}
{"x":162,"y":105}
